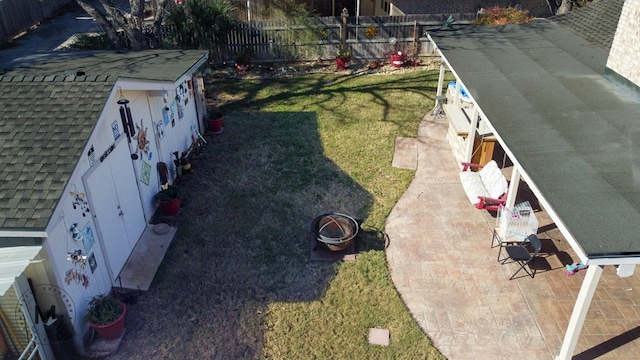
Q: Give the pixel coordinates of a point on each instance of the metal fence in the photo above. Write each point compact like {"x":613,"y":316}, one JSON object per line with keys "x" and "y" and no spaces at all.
{"x":368,"y":37}
{"x":17,"y":16}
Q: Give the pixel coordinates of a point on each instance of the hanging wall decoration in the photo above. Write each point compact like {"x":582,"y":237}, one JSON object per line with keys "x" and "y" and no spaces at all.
{"x":126,"y":118}
{"x":141,"y":138}
{"x":145,"y":173}
{"x":115,"y":129}
{"x":160,"y":129}
{"x":87,"y":238}
{"x":91,"y":154}
{"x":172,"y":114}
{"x":79,"y":202}
{"x":76,"y":274}
{"x":92,"y":262}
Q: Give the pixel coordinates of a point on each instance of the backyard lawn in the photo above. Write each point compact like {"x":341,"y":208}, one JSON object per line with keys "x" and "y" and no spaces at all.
{"x":237,"y":282}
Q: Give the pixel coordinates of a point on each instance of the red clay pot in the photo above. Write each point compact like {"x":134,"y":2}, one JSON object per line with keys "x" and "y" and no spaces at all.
{"x":216,"y":124}
{"x":170,"y":207}
{"x":343,"y":63}
{"x":113,"y":330}
{"x":397,"y":60}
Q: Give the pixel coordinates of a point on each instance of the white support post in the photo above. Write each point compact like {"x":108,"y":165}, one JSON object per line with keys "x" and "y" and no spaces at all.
{"x":471,"y":134}
{"x":514,"y":184}
{"x":440,"y":79}
{"x":588,"y":288}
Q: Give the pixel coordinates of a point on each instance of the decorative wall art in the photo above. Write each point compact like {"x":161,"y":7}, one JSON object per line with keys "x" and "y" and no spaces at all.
{"x":91,"y":154}
{"x":165,"y":115}
{"x":115,"y":129}
{"x":145,"y":173}
{"x":160,"y":129}
{"x":180,"y":112}
{"x":92,"y":262}
{"x":87,"y":238}
{"x":172,"y":113}
{"x":141,"y":138}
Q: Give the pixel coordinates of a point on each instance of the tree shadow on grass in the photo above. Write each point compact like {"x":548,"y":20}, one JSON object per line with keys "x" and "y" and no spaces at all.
{"x":243,"y":241}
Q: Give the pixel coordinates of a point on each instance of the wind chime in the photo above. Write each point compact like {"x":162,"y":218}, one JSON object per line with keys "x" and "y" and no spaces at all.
{"x":127,"y":119}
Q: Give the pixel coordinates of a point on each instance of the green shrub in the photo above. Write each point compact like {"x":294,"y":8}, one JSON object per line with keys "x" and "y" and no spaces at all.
{"x":502,"y":16}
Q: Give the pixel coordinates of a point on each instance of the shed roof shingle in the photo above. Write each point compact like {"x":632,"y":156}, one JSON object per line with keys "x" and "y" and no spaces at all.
{"x":47,"y":113}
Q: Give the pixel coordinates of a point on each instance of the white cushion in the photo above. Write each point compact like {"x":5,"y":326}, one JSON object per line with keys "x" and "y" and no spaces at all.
{"x":493,"y":180}
{"x":473,"y":186}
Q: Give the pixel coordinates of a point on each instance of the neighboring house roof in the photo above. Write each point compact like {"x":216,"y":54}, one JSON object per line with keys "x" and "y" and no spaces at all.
{"x":408,"y":7}
{"x":573,"y":132}
{"x":47,"y":113}
{"x":596,"y":23}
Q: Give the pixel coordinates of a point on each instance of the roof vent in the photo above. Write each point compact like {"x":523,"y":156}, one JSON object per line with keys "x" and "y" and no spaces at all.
{"x":80,"y":73}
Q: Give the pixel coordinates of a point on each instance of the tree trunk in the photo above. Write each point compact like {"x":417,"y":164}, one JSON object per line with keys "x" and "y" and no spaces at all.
{"x":131,"y":24}
{"x":103,"y":22}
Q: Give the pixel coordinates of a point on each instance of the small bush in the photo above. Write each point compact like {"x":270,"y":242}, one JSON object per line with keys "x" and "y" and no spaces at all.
{"x":99,"y":41}
{"x":502,"y":16}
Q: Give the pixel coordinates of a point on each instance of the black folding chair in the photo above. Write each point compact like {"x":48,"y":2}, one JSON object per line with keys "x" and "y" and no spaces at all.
{"x":522,"y":255}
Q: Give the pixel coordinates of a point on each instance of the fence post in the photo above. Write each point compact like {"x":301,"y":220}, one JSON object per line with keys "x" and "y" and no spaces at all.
{"x":343,"y":29}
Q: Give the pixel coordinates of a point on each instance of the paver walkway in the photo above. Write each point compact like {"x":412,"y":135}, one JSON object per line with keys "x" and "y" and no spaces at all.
{"x":446,"y":272}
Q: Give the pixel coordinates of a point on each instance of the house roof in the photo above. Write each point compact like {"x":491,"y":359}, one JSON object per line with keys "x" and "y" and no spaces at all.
{"x":573,"y":132}
{"x":596,"y":23}
{"x":47,"y":113}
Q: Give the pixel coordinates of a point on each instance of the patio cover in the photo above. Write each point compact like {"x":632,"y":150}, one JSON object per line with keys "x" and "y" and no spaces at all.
{"x":573,"y":134}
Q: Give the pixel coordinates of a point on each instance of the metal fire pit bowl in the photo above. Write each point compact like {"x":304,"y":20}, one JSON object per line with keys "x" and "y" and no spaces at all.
{"x":336,"y":231}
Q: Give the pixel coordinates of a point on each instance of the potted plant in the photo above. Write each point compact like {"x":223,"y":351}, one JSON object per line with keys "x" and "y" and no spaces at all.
{"x":343,"y":57}
{"x":106,"y":315}
{"x":215,"y":121}
{"x":168,"y":199}
{"x":243,"y":59}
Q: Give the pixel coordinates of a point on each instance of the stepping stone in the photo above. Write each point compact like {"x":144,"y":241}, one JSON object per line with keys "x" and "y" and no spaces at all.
{"x":379,"y":337}
{"x":405,"y":154}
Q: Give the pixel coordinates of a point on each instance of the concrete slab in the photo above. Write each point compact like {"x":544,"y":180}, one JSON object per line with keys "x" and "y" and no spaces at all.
{"x":141,"y":267}
{"x":379,"y":337}
{"x":405,"y":154}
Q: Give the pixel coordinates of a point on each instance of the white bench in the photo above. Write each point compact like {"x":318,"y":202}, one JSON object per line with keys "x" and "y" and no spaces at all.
{"x":487,"y":188}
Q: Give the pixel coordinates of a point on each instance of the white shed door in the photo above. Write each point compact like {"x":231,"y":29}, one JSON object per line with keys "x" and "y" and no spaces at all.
{"x":116,"y":206}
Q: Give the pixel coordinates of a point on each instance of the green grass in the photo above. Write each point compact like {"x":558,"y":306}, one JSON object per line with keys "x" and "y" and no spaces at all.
{"x":237,"y":282}
{"x":358,"y":119}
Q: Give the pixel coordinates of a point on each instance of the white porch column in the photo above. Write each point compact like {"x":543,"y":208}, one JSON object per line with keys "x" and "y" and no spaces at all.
{"x":514,"y":184}
{"x":440,"y":79}
{"x":579,"y":313}
{"x":471,"y":134}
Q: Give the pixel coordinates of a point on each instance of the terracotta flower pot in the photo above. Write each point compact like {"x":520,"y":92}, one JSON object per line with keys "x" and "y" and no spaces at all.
{"x":216,"y":123}
{"x":113,"y":330}
{"x":397,"y":60}
{"x":170,"y":207}
{"x":343,"y":63}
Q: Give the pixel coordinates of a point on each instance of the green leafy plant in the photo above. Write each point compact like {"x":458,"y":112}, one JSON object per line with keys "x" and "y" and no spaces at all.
{"x":244,"y":56}
{"x":502,"y":16}
{"x":170,"y":193}
{"x":103,"y":309}
{"x":343,"y":53}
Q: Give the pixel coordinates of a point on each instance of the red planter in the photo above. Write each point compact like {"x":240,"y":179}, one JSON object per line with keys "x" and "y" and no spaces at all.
{"x":216,"y":124}
{"x":170,"y":207}
{"x":243,"y":65}
{"x":113,"y":330}
{"x":397,"y":60}
{"x":343,"y":63}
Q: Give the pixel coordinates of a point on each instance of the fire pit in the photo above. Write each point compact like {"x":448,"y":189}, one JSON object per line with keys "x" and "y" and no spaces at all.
{"x":335,"y":231}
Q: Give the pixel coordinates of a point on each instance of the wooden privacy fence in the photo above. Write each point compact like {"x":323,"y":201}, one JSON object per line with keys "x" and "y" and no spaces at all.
{"x":19,"y":15}
{"x":368,"y":37}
